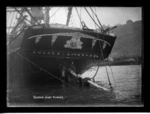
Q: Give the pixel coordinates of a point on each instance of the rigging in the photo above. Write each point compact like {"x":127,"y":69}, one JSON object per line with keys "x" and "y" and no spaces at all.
{"x":97,"y":18}
{"x":102,"y":58}
{"x":92,"y":18}
{"x":79,"y":16}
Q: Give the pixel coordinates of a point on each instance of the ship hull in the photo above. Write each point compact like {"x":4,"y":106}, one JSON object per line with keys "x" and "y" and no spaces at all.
{"x":48,"y":50}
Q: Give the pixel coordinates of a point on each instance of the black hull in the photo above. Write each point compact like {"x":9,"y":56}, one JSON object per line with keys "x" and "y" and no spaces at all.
{"x":46,"y":50}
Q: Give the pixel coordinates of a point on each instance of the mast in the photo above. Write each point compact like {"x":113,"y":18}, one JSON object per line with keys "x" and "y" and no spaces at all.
{"x":47,"y":16}
{"x":68,"y":16}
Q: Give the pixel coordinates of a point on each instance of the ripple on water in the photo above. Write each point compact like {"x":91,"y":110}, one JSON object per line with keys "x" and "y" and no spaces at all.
{"x":127,"y":89}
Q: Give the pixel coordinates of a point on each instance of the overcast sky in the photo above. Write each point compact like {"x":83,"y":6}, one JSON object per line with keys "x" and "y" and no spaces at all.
{"x":107,"y":15}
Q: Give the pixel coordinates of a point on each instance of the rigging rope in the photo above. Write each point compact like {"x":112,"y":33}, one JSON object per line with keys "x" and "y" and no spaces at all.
{"x":45,"y":70}
{"x":11,"y":22}
{"x":100,"y":48}
{"x":31,"y":15}
{"x":103,"y":56}
{"x":112,"y":74}
{"x":92,"y":18}
{"x":79,"y":16}
{"x":105,"y":66}
{"x":102,"y":59}
{"x":108,"y":76}
{"x":95,"y":74}
{"x":73,"y":21}
{"x":97,"y":19}
{"x":55,"y":12}
{"x":103,"y":29}
{"x":22,"y":15}
{"x":31,"y":69}
{"x":93,"y":78}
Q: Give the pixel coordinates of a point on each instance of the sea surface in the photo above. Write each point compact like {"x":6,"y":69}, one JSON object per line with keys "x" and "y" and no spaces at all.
{"x":125,"y":80}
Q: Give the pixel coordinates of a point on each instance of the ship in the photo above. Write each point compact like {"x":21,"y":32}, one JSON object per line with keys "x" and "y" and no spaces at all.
{"x":53,"y":48}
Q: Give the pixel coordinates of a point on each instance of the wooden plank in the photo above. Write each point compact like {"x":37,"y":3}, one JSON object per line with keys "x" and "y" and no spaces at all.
{"x":89,"y":81}
{"x":98,"y":86}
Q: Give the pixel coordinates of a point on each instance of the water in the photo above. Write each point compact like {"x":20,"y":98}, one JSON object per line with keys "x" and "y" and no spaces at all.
{"x":126,"y":83}
{"x":126,"y":90}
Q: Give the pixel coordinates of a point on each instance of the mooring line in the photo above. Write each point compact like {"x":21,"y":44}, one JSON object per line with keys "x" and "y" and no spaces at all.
{"x":105,"y":66}
{"x":93,"y":78}
{"x":112,"y":75}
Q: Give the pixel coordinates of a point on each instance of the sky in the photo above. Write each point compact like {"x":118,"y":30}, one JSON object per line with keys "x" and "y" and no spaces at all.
{"x":107,"y":15}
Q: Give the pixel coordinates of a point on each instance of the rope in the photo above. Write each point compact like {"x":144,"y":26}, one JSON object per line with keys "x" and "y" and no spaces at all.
{"x":99,"y":45}
{"x":112,"y":74}
{"x":31,"y":16}
{"x":95,"y":73}
{"x":92,"y":18}
{"x":73,"y":20}
{"x":31,"y":69}
{"x":45,"y":70}
{"x":97,"y":18}
{"x":108,"y":76}
{"x":103,"y":55}
{"x":11,"y":21}
{"x":55,"y":12}
{"x":105,"y":66}
{"x":22,"y":15}
{"x":79,"y":16}
{"x":17,"y":36}
{"x":103,"y":29}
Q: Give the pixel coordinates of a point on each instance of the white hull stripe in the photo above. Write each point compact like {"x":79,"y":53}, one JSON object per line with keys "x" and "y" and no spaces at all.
{"x":76,"y":34}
